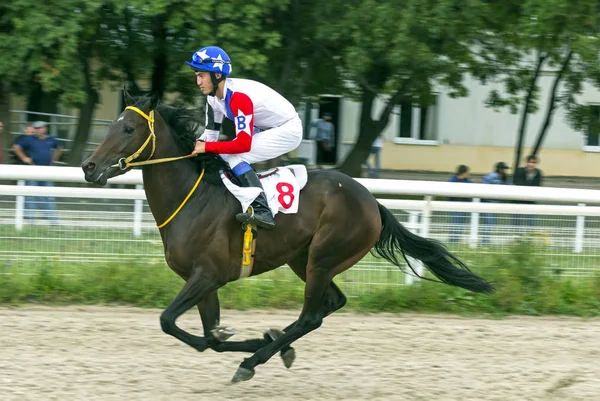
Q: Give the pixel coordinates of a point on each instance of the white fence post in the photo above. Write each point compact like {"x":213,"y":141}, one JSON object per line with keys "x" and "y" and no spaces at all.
{"x":579,"y":231}
{"x":138,"y":207}
{"x":19,"y":208}
{"x":426,"y":217}
{"x":473,"y":237}
{"x":413,"y":225}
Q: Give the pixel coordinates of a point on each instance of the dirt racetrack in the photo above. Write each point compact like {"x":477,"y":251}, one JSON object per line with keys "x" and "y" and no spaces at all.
{"x":110,"y":353}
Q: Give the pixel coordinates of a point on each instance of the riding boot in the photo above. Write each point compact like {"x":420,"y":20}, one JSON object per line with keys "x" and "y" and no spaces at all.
{"x":260,"y":206}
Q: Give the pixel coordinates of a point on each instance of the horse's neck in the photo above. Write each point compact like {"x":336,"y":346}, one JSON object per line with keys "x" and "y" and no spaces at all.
{"x":167,"y":184}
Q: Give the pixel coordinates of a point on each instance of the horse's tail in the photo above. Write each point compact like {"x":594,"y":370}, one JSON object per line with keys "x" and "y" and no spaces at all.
{"x":438,"y":260}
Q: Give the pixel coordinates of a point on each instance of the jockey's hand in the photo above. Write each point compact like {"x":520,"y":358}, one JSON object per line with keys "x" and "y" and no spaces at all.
{"x":199,"y":148}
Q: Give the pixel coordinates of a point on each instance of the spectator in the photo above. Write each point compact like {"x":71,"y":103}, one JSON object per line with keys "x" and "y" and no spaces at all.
{"x":14,"y":159}
{"x":324,"y":138}
{"x":375,"y":152}
{"x":529,"y":176}
{"x":458,"y":219}
{"x":497,"y":177}
{"x":39,"y":149}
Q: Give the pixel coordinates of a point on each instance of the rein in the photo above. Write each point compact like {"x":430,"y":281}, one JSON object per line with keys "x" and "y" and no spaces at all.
{"x":126,"y":162}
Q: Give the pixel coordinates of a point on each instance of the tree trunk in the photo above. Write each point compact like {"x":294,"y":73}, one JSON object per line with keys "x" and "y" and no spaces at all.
{"x":551,"y":104}
{"x":6,"y":139}
{"x":352,"y":165}
{"x":128,"y":67}
{"x":86,"y":113}
{"x":293,"y":33}
{"x":159,"y":73}
{"x":526,"y":107}
{"x":42,"y":102}
{"x":369,"y":129}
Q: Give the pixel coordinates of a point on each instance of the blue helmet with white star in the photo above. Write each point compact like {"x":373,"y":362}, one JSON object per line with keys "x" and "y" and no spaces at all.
{"x":211,"y":59}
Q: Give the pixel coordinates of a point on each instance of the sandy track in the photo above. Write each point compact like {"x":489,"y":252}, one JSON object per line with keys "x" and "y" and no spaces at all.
{"x":108,"y":353}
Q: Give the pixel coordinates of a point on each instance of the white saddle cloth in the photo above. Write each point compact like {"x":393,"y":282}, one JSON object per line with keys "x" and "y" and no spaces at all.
{"x":282,"y":188}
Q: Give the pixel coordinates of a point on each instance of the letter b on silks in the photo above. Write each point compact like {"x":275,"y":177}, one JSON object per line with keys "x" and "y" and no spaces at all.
{"x":241,"y":123}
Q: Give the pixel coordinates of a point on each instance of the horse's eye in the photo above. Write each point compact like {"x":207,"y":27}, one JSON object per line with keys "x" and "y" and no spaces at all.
{"x":129,"y":130}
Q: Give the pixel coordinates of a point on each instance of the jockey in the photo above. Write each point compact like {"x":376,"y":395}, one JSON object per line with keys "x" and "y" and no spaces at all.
{"x":266,"y":124}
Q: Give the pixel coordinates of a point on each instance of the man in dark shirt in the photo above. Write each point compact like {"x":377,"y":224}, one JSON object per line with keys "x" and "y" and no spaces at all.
{"x":529,"y":176}
{"x":39,"y":149}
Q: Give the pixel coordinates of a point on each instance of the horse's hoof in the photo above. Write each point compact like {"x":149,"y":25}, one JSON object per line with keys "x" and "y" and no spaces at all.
{"x":288,"y":357}
{"x":243,"y":374}
{"x":222,"y":333}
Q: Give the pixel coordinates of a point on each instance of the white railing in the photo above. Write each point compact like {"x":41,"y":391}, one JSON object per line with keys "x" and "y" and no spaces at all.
{"x":580,"y":199}
{"x":569,"y":217}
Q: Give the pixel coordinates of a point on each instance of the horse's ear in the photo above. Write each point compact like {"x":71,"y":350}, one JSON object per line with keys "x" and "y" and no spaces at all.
{"x":128,"y":99}
{"x":152,"y":102}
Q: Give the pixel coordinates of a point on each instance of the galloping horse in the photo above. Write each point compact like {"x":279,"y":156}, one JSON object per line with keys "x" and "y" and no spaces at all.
{"x":337,"y":223}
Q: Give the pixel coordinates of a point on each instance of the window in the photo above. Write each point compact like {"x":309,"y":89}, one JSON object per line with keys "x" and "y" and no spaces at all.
{"x":417,"y":124}
{"x":593,"y":130}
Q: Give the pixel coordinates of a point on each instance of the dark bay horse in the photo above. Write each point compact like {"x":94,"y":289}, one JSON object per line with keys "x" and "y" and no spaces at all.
{"x":338,"y":222}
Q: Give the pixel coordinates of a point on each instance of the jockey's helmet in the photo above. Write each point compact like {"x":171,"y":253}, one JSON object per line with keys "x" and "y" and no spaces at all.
{"x":211,"y":59}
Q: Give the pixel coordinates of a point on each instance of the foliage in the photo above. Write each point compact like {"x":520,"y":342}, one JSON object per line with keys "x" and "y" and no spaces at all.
{"x":402,"y":55}
{"x":531,"y":38}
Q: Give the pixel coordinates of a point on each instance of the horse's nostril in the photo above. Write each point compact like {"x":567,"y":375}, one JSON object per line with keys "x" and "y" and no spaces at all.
{"x":90,"y":167}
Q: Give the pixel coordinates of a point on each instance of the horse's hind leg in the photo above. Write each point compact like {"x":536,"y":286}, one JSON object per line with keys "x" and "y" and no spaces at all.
{"x":310,"y":319}
{"x":333,"y":299}
{"x":321,"y":297}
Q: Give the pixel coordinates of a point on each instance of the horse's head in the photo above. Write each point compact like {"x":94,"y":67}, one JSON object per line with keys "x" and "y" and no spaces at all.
{"x":130,"y":137}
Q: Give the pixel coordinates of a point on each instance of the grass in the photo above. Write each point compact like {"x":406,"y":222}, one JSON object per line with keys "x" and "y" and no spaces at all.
{"x":523,"y":287}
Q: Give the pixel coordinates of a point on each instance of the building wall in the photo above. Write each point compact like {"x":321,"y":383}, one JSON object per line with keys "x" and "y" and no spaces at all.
{"x":470,"y":133}
{"x":481,"y":159}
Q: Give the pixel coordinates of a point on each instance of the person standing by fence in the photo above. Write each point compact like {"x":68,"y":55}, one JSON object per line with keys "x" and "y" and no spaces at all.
{"x":324,"y":138}
{"x":529,"y":176}
{"x":458,"y":219}
{"x":375,"y":171}
{"x":40,"y":149}
{"x":497,"y":177}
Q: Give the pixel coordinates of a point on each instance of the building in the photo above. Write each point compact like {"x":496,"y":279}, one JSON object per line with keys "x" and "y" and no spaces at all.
{"x":465,"y":131}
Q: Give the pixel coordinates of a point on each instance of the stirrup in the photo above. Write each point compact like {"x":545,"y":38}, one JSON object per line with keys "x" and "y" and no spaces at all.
{"x":249,"y":219}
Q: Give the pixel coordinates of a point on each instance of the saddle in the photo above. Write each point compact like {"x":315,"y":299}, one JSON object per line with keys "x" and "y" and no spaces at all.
{"x":282,"y":187}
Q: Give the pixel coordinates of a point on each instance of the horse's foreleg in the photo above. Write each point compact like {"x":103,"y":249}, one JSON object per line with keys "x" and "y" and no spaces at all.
{"x":216,"y":334}
{"x":210,"y":313}
{"x":198,"y":287}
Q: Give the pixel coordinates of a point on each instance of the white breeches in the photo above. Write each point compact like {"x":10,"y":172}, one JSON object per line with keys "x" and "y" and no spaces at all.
{"x":271,"y":143}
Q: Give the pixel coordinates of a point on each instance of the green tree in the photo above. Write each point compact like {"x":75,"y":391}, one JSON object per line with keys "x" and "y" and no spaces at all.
{"x":69,"y":50}
{"x":399,"y":54}
{"x":534,"y":36}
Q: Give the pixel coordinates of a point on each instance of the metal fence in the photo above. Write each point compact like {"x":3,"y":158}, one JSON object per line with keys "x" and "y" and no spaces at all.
{"x":88,"y":230}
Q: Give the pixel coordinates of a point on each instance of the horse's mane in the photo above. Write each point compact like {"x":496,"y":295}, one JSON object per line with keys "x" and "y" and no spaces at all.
{"x":183,"y":124}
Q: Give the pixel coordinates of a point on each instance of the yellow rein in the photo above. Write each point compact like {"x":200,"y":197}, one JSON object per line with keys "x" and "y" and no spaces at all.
{"x":126,"y":162}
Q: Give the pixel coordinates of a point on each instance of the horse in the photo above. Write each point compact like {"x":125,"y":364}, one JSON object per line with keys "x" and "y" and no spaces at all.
{"x":337,"y":223}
